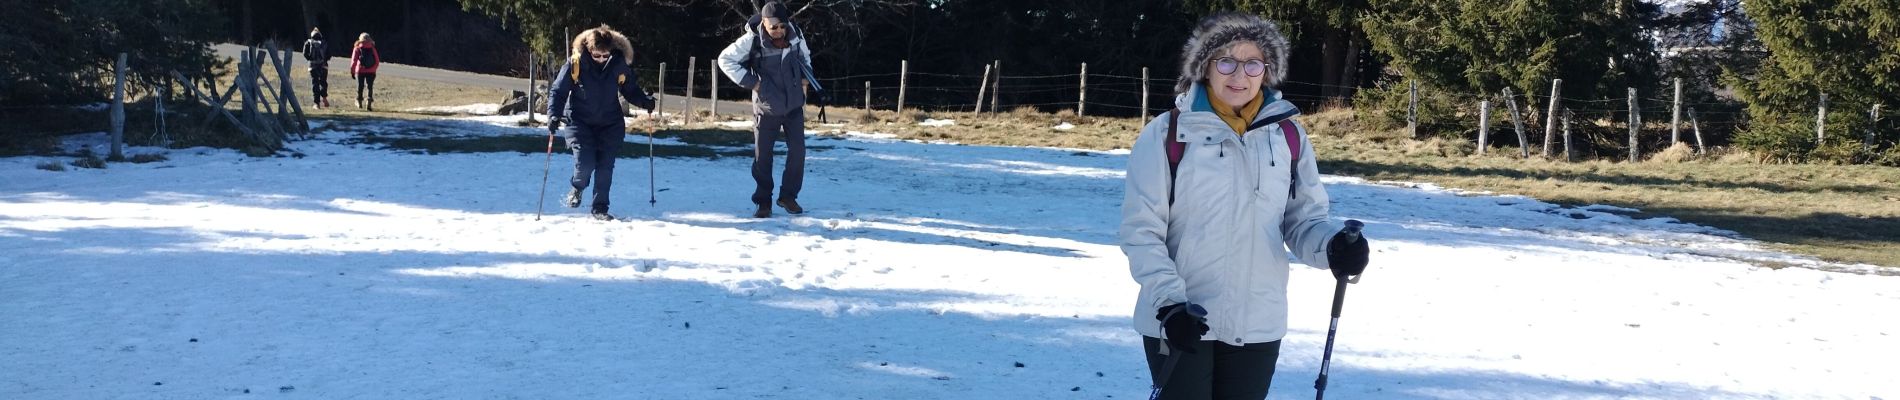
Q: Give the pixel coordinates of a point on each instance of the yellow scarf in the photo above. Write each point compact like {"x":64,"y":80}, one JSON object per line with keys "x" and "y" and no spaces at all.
{"x":1247,"y":113}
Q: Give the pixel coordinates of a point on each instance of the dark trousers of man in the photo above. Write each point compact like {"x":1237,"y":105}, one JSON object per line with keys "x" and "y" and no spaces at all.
{"x":1215,"y":370}
{"x":595,"y":148}
{"x":790,"y":128}
{"x":363,"y":80}
{"x":319,"y":82}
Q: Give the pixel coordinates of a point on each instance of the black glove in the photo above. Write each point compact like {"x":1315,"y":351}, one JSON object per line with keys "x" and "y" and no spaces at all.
{"x":554,"y":124}
{"x":1347,"y":254}
{"x":1183,"y":324}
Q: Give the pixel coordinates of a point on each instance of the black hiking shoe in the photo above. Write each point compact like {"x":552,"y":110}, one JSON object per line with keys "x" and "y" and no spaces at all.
{"x":791,"y":206}
{"x":600,"y":213}
{"x":573,"y":199}
{"x":765,"y":211}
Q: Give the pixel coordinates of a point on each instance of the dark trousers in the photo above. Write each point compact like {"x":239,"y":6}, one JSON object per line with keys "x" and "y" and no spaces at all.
{"x":790,"y":128}
{"x":595,"y":149}
{"x":365,"y":80}
{"x":1215,"y":370}
{"x":319,"y":82}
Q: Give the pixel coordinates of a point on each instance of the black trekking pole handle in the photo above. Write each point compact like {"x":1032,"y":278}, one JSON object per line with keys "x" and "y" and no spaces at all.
{"x":1353,"y":227}
{"x":1174,"y":355}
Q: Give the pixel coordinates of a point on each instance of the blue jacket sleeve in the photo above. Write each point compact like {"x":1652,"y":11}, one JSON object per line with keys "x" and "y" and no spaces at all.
{"x":558,"y":92}
{"x":634,"y":93}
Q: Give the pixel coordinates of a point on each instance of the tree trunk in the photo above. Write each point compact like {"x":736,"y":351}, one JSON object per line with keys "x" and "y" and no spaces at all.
{"x":247,"y":24}
{"x":1349,"y":78}
{"x":1332,"y":65}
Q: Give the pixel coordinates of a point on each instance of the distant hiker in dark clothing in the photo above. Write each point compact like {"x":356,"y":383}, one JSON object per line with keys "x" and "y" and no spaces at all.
{"x":772,"y":60}
{"x":363,"y":63}
{"x":586,"y":95}
{"x":318,"y":54}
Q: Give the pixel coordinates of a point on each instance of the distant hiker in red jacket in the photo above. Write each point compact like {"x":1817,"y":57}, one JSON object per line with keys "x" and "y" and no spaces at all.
{"x":363,"y":63}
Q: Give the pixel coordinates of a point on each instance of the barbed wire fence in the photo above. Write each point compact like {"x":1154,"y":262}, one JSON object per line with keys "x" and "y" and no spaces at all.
{"x":1652,"y":120}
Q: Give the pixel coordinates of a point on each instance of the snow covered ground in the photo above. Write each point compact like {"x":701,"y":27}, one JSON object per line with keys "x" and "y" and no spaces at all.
{"x":931,"y":271}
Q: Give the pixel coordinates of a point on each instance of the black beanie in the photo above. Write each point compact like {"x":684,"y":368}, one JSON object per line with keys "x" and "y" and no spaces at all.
{"x":773,"y":9}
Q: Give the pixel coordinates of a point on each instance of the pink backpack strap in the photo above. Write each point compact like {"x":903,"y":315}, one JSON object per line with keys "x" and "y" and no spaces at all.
{"x":1294,"y":148}
{"x":1292,"y":140}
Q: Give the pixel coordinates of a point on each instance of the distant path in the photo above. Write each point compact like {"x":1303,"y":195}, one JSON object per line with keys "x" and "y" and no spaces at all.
{"x":726,"y":107}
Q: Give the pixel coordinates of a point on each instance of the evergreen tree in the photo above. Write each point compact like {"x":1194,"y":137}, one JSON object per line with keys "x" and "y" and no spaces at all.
{"x":1462,"y":51}
{"x":1848,"y":49}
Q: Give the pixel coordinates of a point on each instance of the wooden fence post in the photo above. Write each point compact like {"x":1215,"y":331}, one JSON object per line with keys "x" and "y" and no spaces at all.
{"x":1696,"y":127}
{"x":1550,"y":120}
{"x":531,"y":84}
{"x":118,"y":108}
{"x":1820,"y":122}
{"x":1569,"y":155}
{"x":1082,"y":99}
{"x":1411,"y":110}
{"x":996,"y":88}
{"x":1873,"y":125}
{"x":1144,"y":96}
{"x":1675,"y":116}
{"x":692,"y":68}
{"x":903,"y":82}
{"x":1517,"y":122}
{"x":1636,"y":124}
{"x":659,"y":106}
{"x":1484,"y":123}
{"x":981,"y":87}
{"x":712,"y":84}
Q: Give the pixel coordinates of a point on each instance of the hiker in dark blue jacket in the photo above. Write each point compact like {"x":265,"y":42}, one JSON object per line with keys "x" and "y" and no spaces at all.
{"x":586,"y":95}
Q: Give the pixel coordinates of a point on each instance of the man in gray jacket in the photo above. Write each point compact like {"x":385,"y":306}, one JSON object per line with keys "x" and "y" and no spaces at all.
{"x":771,"y":59}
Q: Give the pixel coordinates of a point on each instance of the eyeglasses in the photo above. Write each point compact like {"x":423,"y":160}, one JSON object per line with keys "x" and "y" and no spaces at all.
{"x":1227,"y":65}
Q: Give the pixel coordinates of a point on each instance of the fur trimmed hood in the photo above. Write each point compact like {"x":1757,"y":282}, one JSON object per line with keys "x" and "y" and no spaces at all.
{"x":622,"y":47}
{"x":1217,"y":31}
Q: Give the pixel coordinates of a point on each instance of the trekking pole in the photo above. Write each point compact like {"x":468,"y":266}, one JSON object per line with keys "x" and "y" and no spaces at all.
{"x":1174,"y":355}
{"x":653,"y":199}
{"x":545,"y":165}
{"x":1353,"y":227}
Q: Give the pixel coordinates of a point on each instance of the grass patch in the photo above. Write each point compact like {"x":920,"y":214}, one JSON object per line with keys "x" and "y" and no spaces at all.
{"x":393,"y":94}
{"x":147,"y":158}
{"x":1837,"y":213}
{"x":1021,"y":127}
{"x":89,"y":161}
{"x":538,"y":144}
{"x":54,"y":166}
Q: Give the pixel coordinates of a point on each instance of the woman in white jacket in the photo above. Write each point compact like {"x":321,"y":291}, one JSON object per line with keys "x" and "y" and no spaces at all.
{"x":1203,"y":226}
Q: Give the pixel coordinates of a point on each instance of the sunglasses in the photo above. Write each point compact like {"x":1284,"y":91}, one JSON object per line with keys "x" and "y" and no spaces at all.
{"x":1227,"y":65}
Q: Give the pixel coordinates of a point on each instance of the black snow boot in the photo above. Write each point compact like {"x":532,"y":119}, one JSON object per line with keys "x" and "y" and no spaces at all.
{"x":765,"y":211}
{"x":573,"y":199}
{"x":600,"y":213}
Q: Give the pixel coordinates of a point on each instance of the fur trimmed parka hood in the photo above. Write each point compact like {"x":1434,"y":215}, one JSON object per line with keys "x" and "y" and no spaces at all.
{"x":1216,"y":32}
{"x":622,"y":48}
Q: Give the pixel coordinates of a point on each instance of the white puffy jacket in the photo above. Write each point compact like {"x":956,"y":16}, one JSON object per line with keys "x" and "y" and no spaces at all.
{"x":1219,"y":244}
